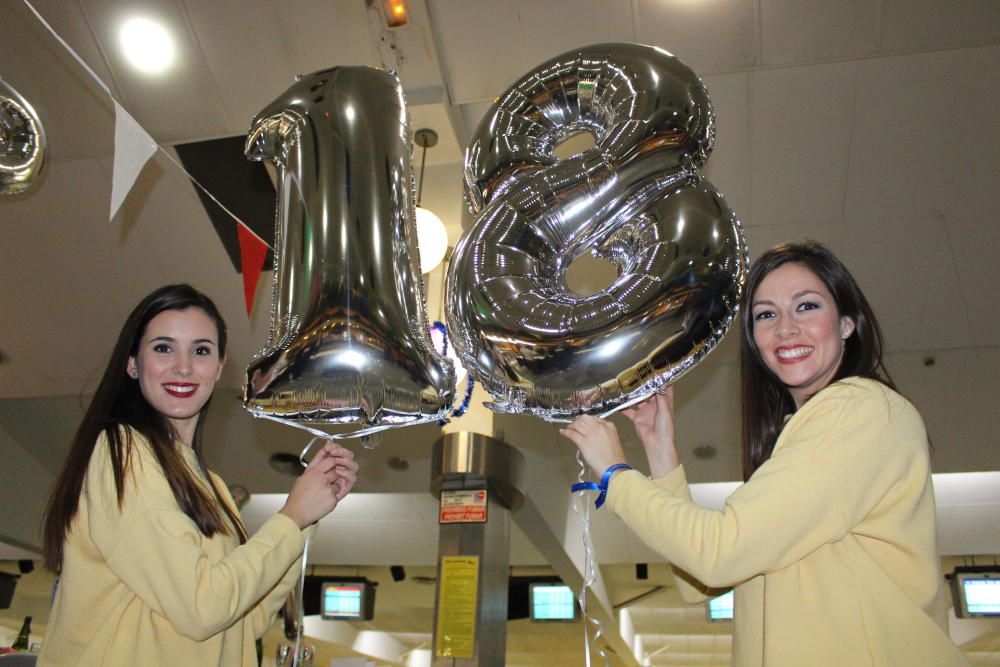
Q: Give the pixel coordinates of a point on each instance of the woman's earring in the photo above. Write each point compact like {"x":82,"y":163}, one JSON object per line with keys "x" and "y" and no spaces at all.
{"x":133,"y":373}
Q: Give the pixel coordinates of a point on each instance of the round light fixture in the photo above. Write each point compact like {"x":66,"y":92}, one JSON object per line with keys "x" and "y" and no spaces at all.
{"x":147,"y":45}
{"x":432,"y":237}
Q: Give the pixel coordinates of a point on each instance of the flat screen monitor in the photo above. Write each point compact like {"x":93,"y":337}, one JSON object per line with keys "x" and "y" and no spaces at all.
{"x":347,"y":600}
{"x":976,"y":591}
{"x":721,"y":608}
{"x":552,"y":602}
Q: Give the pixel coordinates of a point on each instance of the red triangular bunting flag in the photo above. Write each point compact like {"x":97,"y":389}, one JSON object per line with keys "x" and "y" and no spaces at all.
{"x":252,"y":253}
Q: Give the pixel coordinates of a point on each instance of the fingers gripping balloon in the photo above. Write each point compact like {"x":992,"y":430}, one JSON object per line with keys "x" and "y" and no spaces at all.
{"x":349,"y":339}
{"x":636,"y":198}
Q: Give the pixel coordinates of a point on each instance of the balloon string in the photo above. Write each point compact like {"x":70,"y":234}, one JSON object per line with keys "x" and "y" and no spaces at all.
{"x":338,"y":436}
{"x":299,"y":602}
{"x":582,"y":509}
{"x":300,"y":621}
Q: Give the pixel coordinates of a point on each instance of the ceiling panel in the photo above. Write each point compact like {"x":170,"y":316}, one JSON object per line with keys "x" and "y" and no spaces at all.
{"x":76,"y":114}
{"x":728,"y":168}
{"x":882,"y":249}
{"x":475,"y":112}
{"x":49,"y":237}
{"x":955,"y":391}
{"x":798,"y":31}
{"x":800,"y":122}
{"x":910,"y":25}
{"x":709,"y":37}
{"x":551,"y":28}
{"x":917,"y":145}
{"x":260,"y":32}
{"x":974,"y":241}
{"x":182,"y":103}
{"x":481,"y":49}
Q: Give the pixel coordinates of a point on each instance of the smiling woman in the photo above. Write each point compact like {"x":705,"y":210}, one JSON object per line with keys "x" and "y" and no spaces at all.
{"x":155,"y":565}
{"x":177,"y":365}
{"x":830,"y":545}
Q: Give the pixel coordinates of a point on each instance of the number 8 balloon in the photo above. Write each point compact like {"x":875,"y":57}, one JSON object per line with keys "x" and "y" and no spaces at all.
{"x":349,"y":338}
{"x":636,"y":199}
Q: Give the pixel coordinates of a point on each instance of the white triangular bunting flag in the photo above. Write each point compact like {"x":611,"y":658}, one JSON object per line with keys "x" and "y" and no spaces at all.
{"x":133,"y":148}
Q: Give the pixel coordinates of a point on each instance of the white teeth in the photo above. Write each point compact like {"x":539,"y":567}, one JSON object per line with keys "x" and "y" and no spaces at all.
{"x":179,"y":390}
{"x":794,"y":353}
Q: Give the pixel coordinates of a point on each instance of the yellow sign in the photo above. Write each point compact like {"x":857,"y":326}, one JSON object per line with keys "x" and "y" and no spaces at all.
{"x":455,"y":635}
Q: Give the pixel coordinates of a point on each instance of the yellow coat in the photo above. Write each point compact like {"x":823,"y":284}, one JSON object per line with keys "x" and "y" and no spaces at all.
{"x":831,"y":545}
{"x":142,"y":585}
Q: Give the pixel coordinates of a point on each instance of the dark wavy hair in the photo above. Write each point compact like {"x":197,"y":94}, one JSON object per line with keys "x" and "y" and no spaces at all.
{"x":117,"y":409}
{"x":765,"y":399}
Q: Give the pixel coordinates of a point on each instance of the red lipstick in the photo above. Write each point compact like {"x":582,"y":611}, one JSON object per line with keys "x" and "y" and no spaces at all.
{"x":180,"y":389}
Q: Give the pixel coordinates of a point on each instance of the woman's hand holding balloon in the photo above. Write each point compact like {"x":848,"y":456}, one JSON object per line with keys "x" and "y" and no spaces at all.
{"x":597,"y":440}
{"x":329,"y":477}
{"x":347,"y":468}
{"x":654,"y":423}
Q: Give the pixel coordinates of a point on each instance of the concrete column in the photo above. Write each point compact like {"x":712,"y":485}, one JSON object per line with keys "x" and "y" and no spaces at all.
{"x":477,"y":479}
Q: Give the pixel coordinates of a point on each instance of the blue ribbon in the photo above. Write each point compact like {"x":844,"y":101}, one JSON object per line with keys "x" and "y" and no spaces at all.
{"x":470,"y":381}
{"x":601,"y":487}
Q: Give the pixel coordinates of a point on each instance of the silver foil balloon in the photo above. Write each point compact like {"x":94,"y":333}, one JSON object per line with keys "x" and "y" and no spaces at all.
{"x":636,"y":198}
{"x":23,"y":147}
{"x":349,"y":340}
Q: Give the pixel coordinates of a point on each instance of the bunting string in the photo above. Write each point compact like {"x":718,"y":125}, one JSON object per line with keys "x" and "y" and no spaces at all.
{"x":133,"y":148}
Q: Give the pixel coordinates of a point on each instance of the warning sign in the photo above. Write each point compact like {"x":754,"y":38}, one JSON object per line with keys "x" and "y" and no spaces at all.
{"x":463,"y":506}
{"x":455,"y":635}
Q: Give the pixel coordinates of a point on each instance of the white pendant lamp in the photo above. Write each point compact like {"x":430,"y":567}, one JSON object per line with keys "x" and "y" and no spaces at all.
{"x":432,"y":237}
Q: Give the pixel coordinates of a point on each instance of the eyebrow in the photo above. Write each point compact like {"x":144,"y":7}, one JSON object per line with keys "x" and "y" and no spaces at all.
{"x":797,"y":295}
{"x":171,"y":339}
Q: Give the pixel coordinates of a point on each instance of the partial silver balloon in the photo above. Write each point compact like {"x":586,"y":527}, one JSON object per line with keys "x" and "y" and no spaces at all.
{"x":349,"y":339}
{"x":23,"y":148}
{"x":636,"y":198}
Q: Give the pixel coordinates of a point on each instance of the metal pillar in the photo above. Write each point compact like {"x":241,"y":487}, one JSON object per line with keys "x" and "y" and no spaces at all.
{"x":478,"y":481}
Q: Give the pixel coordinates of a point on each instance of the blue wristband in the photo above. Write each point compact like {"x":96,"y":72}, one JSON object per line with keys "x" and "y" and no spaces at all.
{"x":602,"y":487}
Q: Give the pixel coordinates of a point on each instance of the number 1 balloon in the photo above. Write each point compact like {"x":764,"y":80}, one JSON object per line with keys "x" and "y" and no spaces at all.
{"x":636,"y":199}
{"x":349,"y":339}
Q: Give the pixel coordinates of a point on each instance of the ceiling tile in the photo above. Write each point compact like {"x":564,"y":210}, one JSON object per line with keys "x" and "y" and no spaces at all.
{"x":77,"y":115}
{"x":800,"y":139}
{"x":926,"y":135}
{"x":548,"y":28}
{"x":403,"y":543}
{"x":709,"y":37}
{"x":264,"y":33}
{"x":956,"y":395}
{"x":183,"y":103}
{"x":967,"y":488}
{"x":410,"y":506}
{"x":481,"y":50}
{"x":971,"y":222}
{"x":474,"y":113}
{"x":880,"y":249}
{"x":106,"y":261}
{"x":728,"y":168}
{"x":799,"y":31}
{"x":925,"y":25}
{"x":348,"y":542}
{"x":970,"y":530}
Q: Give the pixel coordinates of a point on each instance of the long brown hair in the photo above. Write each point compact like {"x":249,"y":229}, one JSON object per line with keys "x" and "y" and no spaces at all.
{"x":765,"y":399}
{"x":117,"y":409}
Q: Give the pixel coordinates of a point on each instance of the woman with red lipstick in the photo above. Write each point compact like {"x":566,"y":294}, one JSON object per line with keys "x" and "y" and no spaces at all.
{"x":830,"y":543}
{"x":155,"y":565}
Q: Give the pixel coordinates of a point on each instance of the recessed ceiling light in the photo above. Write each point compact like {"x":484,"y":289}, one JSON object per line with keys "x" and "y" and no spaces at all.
{"x":147,"y":45}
